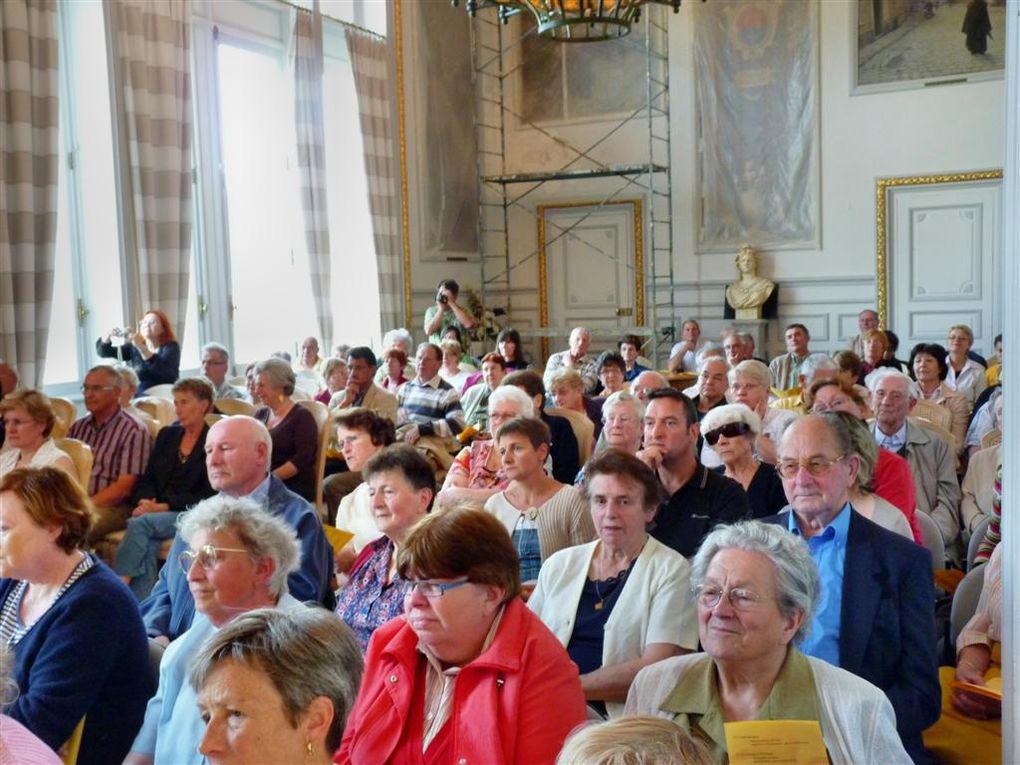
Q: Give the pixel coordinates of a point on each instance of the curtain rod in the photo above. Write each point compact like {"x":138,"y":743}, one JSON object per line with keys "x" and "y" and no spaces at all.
{"x":347,"y":24}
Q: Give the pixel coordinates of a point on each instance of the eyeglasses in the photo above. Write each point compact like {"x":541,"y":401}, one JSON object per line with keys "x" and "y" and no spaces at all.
{"x":816,"y":466}
{"x":709,"y":596}
{"x":433,"y":589}
{"x":730,"y":430}
{"x":208,"y":557}
{"x":97,"y":388}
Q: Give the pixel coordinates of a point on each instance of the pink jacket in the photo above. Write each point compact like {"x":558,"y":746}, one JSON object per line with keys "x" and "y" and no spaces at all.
{"x":516,"y":703}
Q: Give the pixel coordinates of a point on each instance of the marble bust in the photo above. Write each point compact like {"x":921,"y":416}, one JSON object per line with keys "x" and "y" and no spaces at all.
{"x":747,"y":295}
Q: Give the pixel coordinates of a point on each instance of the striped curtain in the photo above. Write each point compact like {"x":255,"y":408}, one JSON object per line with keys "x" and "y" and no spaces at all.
{"x":371,"y":80}
{"x":311,"y":159}
{"x":28,"y":181}
{"x":152,"y":77}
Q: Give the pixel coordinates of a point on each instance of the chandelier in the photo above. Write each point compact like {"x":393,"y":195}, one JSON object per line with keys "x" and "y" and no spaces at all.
{"x":572,"y":20}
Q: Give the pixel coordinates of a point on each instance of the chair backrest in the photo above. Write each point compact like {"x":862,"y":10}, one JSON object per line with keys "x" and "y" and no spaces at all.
{"x":583,"y":427}
{"x":992,"y":438}
{"x":212,"y":418}
{"x":81,"y":455}
{"x":323,"y":419}
{"x":933,"y":413}
{"x":965,"y":601}
{"x":976,"y":537}
{"x":161,"y":391}
{"x":69,"y":751}
{"x":232,"y":406}
{"x":160,"y":409}
{"x":932,"y":539}
{"x":66,"y":413}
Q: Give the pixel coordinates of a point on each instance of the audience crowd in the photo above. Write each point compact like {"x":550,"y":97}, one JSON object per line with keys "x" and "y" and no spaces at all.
{"x":419,"y":556}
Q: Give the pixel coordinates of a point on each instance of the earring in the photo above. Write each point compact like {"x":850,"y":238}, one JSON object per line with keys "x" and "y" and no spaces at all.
{"x":308,"y":746}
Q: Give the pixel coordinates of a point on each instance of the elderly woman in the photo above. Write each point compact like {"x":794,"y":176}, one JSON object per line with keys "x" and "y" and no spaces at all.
{"x":402,"y":486}
{"x":477,"y":471}
{"x":335,"y":375}
{"x":970,"y":729}
{"x":79,"y":644}
{"x":392,"y":371}
{"x":730,"y":431}
{"x":862,"y":497}
{"x":276,"y":687}
{"x":964,"y":375}
{"x":633,"y":739}
{"x":749,"y":385}
{"x":153,"y":350}
{"x":622,"y":415}
{"x":541,"y":514}
{"x":567,"y":390}
{"x":28,"y":420}
{"x":238,"y":558}
{"x":623,"y":601}
{"x":928,"y":366}
{"x":891,"y":477}
{"x":174,"y":480}
{"x":294,"y":432}
{"x":454,"y":370}
{"x":476,"y":400}
{"x":612,"y":372}
{"x":362,"y":434}
{"x":466,"y":635}
{"x":851,"y":368}
{"x":756,"y":588}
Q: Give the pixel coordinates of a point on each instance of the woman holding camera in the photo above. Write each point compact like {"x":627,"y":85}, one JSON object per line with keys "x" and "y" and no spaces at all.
{"x":153,"y":350}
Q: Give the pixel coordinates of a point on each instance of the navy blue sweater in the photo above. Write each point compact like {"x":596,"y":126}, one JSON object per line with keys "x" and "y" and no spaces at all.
{"x":87,"y":656}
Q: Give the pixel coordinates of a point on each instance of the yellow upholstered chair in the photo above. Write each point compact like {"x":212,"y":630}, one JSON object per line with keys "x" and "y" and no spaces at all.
{"x":69,"y":751}
{"x":583,"y":427}
{"x":160,"y":409}
{"x":232,"y":406}
{"x":66,"y":413}
{"x":323,"y":419}
{"x":161,"y":391}
{"x":81,"y":455}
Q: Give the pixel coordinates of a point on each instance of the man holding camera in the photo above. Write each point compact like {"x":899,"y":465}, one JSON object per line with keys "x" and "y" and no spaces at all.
{"x":446,"y":312}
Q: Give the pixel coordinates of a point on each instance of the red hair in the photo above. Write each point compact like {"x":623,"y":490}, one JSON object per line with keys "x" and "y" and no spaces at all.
{"x":166,"y":334}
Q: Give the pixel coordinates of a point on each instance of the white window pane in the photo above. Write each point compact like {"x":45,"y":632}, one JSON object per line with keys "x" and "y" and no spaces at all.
{"x":61,"y":351}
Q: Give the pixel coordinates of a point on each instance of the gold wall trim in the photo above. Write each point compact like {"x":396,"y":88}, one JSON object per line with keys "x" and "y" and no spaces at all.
{"x":639,"y":263}
{"x":882,"y":187}
{"x":398,"y":29}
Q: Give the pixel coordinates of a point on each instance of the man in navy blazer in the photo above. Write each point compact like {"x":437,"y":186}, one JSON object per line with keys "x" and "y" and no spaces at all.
{"x":876,"y":614}
{"x":238,"y":451}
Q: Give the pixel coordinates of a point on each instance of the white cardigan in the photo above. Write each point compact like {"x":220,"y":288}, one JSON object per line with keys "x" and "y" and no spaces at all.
{"x":858,"y":722}
{"x":655,"y":605}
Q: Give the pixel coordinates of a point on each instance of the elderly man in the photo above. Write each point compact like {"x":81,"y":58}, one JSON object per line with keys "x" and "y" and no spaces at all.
{"x":361,"y":389}
{"x":785,"y":369}
{"x":447,"y":312}
{"x":576,"y":357}
{"x":120,"y":449}
{"x":428,"y":405}
{"x":215,"y":365}
{"x":893,"y":395}
{"x":698,"y":498}
{"x":237,"y":455}
{"x":642,"y":385}
{"x":875,"y":616}
{"x":712,"y":385}
{"x":683,"y":355}
{"x":224,"y":586}
{"x":735,"y":347}
{"x":867,"y":320}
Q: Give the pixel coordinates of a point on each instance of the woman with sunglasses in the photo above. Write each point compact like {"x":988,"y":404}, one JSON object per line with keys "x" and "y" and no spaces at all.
{"x":469,"y":674}
{"x":730,"y":431}
{"x":401,"y":487}
{"x":238,"y":559}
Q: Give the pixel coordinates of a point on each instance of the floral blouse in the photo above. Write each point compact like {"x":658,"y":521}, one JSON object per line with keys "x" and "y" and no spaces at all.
{"x":367,"y":600}
{"x":473,"y":462}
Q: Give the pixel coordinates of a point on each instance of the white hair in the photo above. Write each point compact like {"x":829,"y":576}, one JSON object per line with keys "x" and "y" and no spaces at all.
{"x":875,"y":378}
{"x":724,"y":415}
{"x":818,"y":362}
{"x":753,"y":369}
{"x":513,"y":395}
{"x":399,"y":337}
{"x":711,"y":352}
{"x":623,"y":398}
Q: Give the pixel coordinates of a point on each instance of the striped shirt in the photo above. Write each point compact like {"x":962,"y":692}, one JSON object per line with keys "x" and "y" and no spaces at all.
{"x":12,"y":629}
{"x":434,"y":406}
{"x":120,"y":446}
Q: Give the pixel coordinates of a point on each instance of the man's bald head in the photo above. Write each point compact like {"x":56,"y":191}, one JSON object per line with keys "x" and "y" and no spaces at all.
{"x":238,"y":451}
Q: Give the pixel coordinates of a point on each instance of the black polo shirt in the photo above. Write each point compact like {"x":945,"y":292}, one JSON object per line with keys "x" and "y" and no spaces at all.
{"x":697,"y":507}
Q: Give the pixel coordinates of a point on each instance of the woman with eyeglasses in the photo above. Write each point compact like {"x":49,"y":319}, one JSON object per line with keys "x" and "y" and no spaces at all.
{"x":469,"y":674}
{"x":756,"y":588}
{"x":238,"y":559}
{"x":623,"y":601}
{"x":29,"y":419}
{"x":78,"y":640}
{"x":401,"y":487}
{"x":730,"y":430}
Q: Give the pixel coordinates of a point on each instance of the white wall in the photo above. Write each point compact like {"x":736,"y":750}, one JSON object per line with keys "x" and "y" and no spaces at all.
{"x":905,"y":132}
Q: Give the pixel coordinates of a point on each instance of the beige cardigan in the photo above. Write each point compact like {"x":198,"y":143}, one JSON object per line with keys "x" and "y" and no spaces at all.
{"x":563,"y":520}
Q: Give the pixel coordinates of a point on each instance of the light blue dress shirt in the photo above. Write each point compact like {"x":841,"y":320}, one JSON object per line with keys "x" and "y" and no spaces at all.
{"x":828,"y":549}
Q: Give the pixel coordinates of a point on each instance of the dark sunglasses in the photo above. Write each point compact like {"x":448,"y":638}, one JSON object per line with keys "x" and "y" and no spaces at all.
{"x":730,"y":430}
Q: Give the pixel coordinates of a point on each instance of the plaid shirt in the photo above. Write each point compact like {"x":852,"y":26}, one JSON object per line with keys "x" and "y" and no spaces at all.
{"x":585,"y":367}
{"x":433,"y":406}
{"x":120,"y":446}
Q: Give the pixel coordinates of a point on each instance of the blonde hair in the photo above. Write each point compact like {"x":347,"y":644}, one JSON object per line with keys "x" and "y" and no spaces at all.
{"x":633,"y":740}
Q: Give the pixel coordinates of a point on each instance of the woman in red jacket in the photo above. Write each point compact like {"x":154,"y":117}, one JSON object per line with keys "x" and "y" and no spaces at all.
{"x":468,"y":674}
